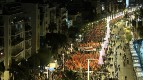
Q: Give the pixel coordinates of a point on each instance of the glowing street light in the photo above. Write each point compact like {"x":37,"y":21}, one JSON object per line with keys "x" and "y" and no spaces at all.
{"x":88,"y":68}
{"x":63,"y":61}
{"x":80,"y":37}
{"x":71,"y":47}
{"x":1,"y":53}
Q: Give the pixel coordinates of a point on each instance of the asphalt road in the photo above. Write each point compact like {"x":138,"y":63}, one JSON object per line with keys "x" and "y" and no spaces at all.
{"x":120,"y":42}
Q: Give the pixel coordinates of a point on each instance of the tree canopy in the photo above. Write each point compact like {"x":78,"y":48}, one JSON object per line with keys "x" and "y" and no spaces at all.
{"x":55,"y":40}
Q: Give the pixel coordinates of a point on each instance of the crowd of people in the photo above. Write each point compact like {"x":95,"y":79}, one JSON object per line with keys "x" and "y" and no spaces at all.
{"x":78,"y":59}
{"x":97,"y":33}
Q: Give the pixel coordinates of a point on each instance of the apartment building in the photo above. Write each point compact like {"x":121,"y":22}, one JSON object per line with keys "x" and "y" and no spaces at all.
{"x":32,"y":10}
{"x":44,"y":21}
{"x":97,"y":5}
{"x":63,"y":19}
{"x":12,"y":34}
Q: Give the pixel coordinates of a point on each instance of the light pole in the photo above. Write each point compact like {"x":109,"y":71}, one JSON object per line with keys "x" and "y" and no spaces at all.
{"x":80,"y":37}
{"x":88,"y":68}
{"x":71,"y":47}
{"x":63,"y":61}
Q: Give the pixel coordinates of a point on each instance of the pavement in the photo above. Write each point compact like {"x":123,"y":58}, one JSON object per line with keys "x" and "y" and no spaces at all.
{"x":120,"y":43}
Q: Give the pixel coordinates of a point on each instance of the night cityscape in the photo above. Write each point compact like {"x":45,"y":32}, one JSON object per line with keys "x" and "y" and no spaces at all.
{"x":71,"y":40}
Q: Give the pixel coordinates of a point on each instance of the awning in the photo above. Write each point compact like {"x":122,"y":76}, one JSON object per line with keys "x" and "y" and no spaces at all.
{"x":136,"y":65}
{"x":133,"y":51}
{"x":134,"y":54}
{"x":135,"y":58}
{"x":138,"y":69}
{"x":136,"y":61}
{"x":139,"y":74}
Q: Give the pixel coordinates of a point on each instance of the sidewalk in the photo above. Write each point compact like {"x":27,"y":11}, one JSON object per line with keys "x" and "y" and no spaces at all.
{"x":118,"y":60}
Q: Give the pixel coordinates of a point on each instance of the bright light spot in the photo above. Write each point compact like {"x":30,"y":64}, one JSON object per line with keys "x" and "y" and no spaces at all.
{"x":1,"y":53}
{"x":55,"y":61}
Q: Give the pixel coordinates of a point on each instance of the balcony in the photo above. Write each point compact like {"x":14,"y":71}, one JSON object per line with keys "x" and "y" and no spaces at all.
{"x":27,"y":46}
{"x":16,"y":52}
{"x":16,"y":41}
{"x":27,"y":27}
{"x":27,"y":54}
{"x":28,"y":35}
{"x":19,"y":56}
{"x":15,"y":31}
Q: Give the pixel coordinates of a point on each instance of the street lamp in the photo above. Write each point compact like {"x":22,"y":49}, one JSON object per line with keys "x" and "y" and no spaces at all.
{"x":88,"y":68}
{"x":63,"y":61}
{"x":71,"y":47}
{"x":1,"y":53}
{"x":80,"y":37}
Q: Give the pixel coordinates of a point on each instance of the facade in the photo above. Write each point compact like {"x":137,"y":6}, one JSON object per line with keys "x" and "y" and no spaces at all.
{"x":58,"y":17}
{"x":20,"y":31}
{"x":12,"y":37}
{"x":121,"y":5}
{"x":113,"y":6}
{"x":44,"y":21}
{"x":63,"y":23}
{"x":54,"y":19}
{"x":97,"y":5}
{"x":32,"y":10}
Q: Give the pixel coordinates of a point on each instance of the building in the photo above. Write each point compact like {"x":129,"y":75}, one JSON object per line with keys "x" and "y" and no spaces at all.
{"x":63,"y":19}
{"x":32,"y":10}
{"x":96,"y":5}
{"x":44,"y":21}
{"x":12,"y":37}
{"x":53,"y":19}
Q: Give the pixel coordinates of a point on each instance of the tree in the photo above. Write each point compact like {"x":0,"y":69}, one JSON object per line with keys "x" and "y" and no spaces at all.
{"x":55,"y":40}
{"x":73,"y":31}
{"x":44,"y":56}
{"x":70,"y":75}
{"x":34,"y":61}
{"x":20,"y":72}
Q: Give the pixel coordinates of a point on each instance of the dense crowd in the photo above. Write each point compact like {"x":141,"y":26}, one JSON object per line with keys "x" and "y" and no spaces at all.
{"x":97,"y":33}
{"x":78,"y":61}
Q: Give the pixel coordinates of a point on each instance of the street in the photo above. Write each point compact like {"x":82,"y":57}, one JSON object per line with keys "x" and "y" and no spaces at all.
{"x":120,"y":49}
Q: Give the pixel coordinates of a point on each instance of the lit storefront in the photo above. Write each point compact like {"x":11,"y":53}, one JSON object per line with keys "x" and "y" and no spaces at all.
{"x":136,"y":48}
